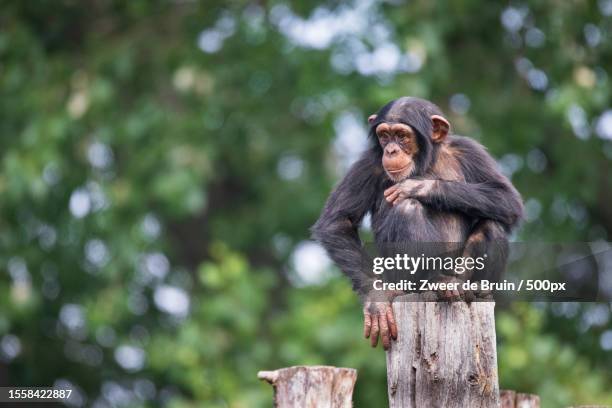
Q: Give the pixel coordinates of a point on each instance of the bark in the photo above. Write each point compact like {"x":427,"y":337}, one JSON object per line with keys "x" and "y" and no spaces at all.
{"x":311,"y":387}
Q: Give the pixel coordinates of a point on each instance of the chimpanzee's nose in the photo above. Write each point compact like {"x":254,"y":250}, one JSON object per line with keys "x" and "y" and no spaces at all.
{"x":391,"y":150}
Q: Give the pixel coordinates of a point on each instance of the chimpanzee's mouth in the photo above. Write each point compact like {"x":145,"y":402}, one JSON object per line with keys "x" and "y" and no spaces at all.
{"x":399,"y":170}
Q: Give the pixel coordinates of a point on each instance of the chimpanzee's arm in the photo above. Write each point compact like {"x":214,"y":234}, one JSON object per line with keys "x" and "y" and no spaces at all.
{"x":495,"y":199}
{"x":485,"y":194}
{"x":337,"y":227}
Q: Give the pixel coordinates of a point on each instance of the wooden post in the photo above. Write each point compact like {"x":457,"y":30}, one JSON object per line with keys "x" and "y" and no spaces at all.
{"x":513,"y":399}
{"x":312,"y":387}
{"x":507,"y":398}
{"x":445,"y":354}
{"x":527,"y":401}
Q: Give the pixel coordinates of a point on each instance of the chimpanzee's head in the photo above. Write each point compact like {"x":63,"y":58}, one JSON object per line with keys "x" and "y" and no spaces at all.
{"x":407,"y":130}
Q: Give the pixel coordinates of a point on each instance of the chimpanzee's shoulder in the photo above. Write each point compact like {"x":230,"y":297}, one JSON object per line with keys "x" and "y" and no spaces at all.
{"x":474,"y":158}
{"x":465,"y":144}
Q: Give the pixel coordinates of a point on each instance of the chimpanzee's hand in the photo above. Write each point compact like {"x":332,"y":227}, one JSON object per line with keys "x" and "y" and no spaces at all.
{"x":408,"y":188}
{"x":378,"y":319}
{"x":454,"y":293}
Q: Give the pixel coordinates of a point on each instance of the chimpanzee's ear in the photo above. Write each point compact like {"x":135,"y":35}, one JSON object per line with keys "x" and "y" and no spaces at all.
{"x":440,"y":127}
{"x":371,"y":118}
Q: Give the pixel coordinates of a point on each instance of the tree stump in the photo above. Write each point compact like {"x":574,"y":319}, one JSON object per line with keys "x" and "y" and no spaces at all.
{"x":312,"y":387}
{"x":445,"y":354}
{"x":513,"y":399}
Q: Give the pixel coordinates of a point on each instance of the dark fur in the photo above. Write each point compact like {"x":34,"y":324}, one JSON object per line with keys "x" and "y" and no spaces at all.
{"x":471,"y":203}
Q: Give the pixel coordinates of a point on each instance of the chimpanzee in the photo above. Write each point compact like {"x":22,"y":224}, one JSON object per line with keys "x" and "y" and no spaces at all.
{"x":420,"y":184}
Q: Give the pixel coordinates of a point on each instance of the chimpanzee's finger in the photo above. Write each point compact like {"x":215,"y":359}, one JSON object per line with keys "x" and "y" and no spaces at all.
{"x":391,"y":197}
{"x":448,"y":294}
{"x":375,"y":331}
{"x":392,"y":324}
{"x":384,"y":331}
{"x":390,"y":190}
{"x":367,"y":324}
{"x":392,"y":194}
{"x":442,"y":294}
{"x":400,"y":197}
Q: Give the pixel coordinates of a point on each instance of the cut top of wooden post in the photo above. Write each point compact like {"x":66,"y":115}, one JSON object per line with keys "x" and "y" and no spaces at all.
{"x":312,"y":386}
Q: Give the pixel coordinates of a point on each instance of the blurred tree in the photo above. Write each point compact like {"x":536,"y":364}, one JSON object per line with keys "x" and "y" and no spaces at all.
{"x":163,"y":160}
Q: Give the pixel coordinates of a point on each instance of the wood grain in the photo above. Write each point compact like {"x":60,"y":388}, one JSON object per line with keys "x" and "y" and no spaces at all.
{"x":312,"y":386}
{"x":445,"y":355}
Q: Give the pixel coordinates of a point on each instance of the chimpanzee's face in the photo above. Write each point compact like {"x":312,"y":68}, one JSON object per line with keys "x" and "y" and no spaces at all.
{"x":399,"y":144}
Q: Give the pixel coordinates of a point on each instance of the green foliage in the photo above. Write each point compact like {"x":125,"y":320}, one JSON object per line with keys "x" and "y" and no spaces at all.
{"x":534,"y":362}
{"x":157,"y":176}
